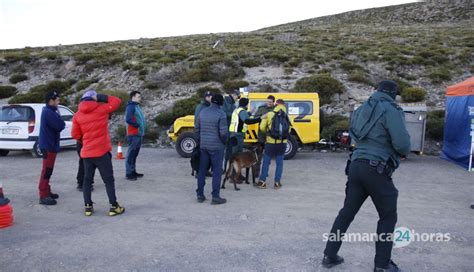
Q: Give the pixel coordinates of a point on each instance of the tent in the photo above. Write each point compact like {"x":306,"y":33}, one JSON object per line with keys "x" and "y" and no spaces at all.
{"x":458,"y":124}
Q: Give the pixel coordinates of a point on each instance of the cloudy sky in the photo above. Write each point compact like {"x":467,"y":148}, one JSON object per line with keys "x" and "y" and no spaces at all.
{"x":52,"y":22}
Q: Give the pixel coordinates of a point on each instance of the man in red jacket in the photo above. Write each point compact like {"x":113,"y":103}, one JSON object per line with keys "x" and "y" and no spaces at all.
{"x":90,"y":125}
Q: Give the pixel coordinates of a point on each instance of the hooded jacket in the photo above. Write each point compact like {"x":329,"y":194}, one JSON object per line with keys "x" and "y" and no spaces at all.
{"x":50,"y":129}
{"x":378,"y":128}
{"x":90,"y":125}
{"x":266,"y":124}
{"x":135,"y":119}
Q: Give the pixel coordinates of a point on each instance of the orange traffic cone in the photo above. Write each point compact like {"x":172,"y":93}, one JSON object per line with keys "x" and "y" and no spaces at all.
{"x":119,"y":152}
{"x":6,"y":210}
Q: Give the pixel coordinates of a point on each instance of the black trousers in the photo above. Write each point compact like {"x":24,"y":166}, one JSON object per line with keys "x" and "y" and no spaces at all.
{"x":364,"y":181}
{"x":104,"y":164}
{"x":80,"y":170}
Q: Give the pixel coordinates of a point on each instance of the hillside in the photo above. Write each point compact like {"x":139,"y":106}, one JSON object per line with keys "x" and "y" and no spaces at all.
{"x":425,"y":45}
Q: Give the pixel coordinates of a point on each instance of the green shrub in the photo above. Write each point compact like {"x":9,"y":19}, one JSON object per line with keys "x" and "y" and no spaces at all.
{"x":15,"y":78}
{"x":83,"y":84}
{"x":17,"y":56}
{"x":413,"y":94}
{"x":234,"y":84}
{"x":7,"y":91}
{"x":124,"y":96}
{"x":204,"y":71}
{"x":151,"y":134}
{"x":37,"y":93}
{"x":349,"y":66}
{"x":435,"y":125}
{"x":333,"y":123}
{"x":361,"y":77}
{"x":253,"y":62}
{"x":265,"y":88}
{"x":323,"y":84}
{"x":120,"y":133}
{"x":402,"y":85}
{"x":440,"y":75}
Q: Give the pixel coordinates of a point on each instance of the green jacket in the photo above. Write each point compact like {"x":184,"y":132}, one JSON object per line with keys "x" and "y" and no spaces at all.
{"x":378,"y":128}
{"x":266,"y":124}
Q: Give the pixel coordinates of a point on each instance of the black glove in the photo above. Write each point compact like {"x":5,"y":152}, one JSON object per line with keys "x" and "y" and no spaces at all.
{"x":103,"y":98}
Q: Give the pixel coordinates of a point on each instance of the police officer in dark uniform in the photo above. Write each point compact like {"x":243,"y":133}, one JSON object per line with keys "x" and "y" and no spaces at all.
{"x":378,"y":128}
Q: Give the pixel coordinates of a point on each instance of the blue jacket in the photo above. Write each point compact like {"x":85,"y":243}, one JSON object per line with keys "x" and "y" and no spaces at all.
{"x":50,"y":129}
{"x":211,"y":128}
{"x":135,"y":119}
{"x":378,"y":128}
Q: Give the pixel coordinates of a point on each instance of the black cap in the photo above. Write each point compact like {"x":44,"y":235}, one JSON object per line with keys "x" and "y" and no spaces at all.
{"x":52,"y":95}
{"x":389,"y":87}
{"x":207,"y":94}
{"x":243,"y":102}
{"x":217,"y":99}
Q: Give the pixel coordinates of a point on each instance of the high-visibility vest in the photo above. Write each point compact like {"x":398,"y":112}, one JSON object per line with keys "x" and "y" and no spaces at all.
{"x":234,"y":121}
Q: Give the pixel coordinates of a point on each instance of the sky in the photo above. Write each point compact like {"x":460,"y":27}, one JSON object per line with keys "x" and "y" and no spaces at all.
{"x":53,"y":22}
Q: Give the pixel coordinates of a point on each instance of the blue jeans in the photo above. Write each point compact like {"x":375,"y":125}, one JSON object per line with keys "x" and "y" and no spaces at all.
{"x":215,"y":157}
{"x":277,"y":151}
{"x":134,"y":144}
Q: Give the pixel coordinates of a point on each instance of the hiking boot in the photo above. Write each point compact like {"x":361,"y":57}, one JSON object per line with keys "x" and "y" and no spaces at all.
{"x":116,"y":210}
{"x":391,"y":267}
{"x":218,"y":201}
{"x":53,"y":196}
{"x":138,"y":175}
{"x":329,"y":262}
{"x":277,"y":185}
{"x":201,"y":199}
{"x":131,"y":177}
{"x":89,"y":210}
{"x":261,"y":185}
{"x":47,"y":201}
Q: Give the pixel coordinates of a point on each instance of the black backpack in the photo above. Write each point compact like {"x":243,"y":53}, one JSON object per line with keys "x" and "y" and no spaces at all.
{"x":195,"y":156}
{"x":280,"y":129}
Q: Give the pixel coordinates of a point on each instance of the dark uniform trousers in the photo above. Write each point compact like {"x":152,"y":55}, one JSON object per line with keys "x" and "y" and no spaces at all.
{"x":364,"y":180}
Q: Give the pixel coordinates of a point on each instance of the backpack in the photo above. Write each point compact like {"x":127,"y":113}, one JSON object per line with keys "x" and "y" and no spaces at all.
{"x":280,"y":129}
{"x":195,"y":156}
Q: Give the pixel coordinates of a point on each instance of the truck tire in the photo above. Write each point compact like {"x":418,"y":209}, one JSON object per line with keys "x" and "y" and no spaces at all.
{"x":291,"y":148}
{"x":185,"y":144}
{"x":36,"y":152}
{"x":4,"y":152}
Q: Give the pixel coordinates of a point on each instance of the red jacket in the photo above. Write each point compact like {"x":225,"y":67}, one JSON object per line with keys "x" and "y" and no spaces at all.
{"x":90,"y":126}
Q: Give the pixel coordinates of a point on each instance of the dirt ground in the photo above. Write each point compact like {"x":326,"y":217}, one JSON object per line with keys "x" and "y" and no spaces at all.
{"x":165,"y":229}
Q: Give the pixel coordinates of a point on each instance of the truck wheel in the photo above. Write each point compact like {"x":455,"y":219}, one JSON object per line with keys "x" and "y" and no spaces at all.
{"x":291,"y":148}
{"x":185,"y":144}
{"x":36,"y":152}
{"x":4,"y":152}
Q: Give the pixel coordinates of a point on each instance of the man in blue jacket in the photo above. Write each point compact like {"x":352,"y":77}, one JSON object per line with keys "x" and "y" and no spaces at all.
{"x":378,"y":128}
{"x":211,"y":131}
{"x":135,"y":131}
{"x":49,"y":137}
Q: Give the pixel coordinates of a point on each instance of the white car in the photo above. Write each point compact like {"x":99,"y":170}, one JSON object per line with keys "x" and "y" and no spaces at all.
{"x":20,"y":128}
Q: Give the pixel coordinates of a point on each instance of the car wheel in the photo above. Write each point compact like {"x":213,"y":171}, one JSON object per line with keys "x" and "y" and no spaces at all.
{"x":185,"y":144}
{"x":4,"y":152}
{"x":291,"y":148}
{"x":36,"y":152}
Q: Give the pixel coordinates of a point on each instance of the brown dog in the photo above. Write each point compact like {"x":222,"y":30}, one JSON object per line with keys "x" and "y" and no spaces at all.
{"x":249,"y":160}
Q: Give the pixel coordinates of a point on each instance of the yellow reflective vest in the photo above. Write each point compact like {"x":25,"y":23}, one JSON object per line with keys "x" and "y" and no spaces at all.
{"x":234,"y":121}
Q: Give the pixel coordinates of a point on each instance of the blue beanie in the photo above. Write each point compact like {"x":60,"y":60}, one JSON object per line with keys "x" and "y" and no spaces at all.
{"x":389,"y":87}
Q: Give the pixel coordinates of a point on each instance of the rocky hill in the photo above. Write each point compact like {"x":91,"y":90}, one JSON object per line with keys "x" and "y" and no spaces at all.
{"x":426,"y":45}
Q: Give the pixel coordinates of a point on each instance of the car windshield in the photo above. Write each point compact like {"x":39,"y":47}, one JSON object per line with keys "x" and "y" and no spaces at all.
{"x":16,"y":114}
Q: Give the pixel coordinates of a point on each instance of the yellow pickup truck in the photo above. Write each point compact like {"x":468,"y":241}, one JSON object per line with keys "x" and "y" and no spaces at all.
{"x":303,"y":111}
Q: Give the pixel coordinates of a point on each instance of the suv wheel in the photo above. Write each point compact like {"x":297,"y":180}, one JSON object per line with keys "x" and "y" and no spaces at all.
{"x":185,"y":144}
{"x":4,"y":152}
{"x":291,"y":148}
{"x":36,"y":152}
